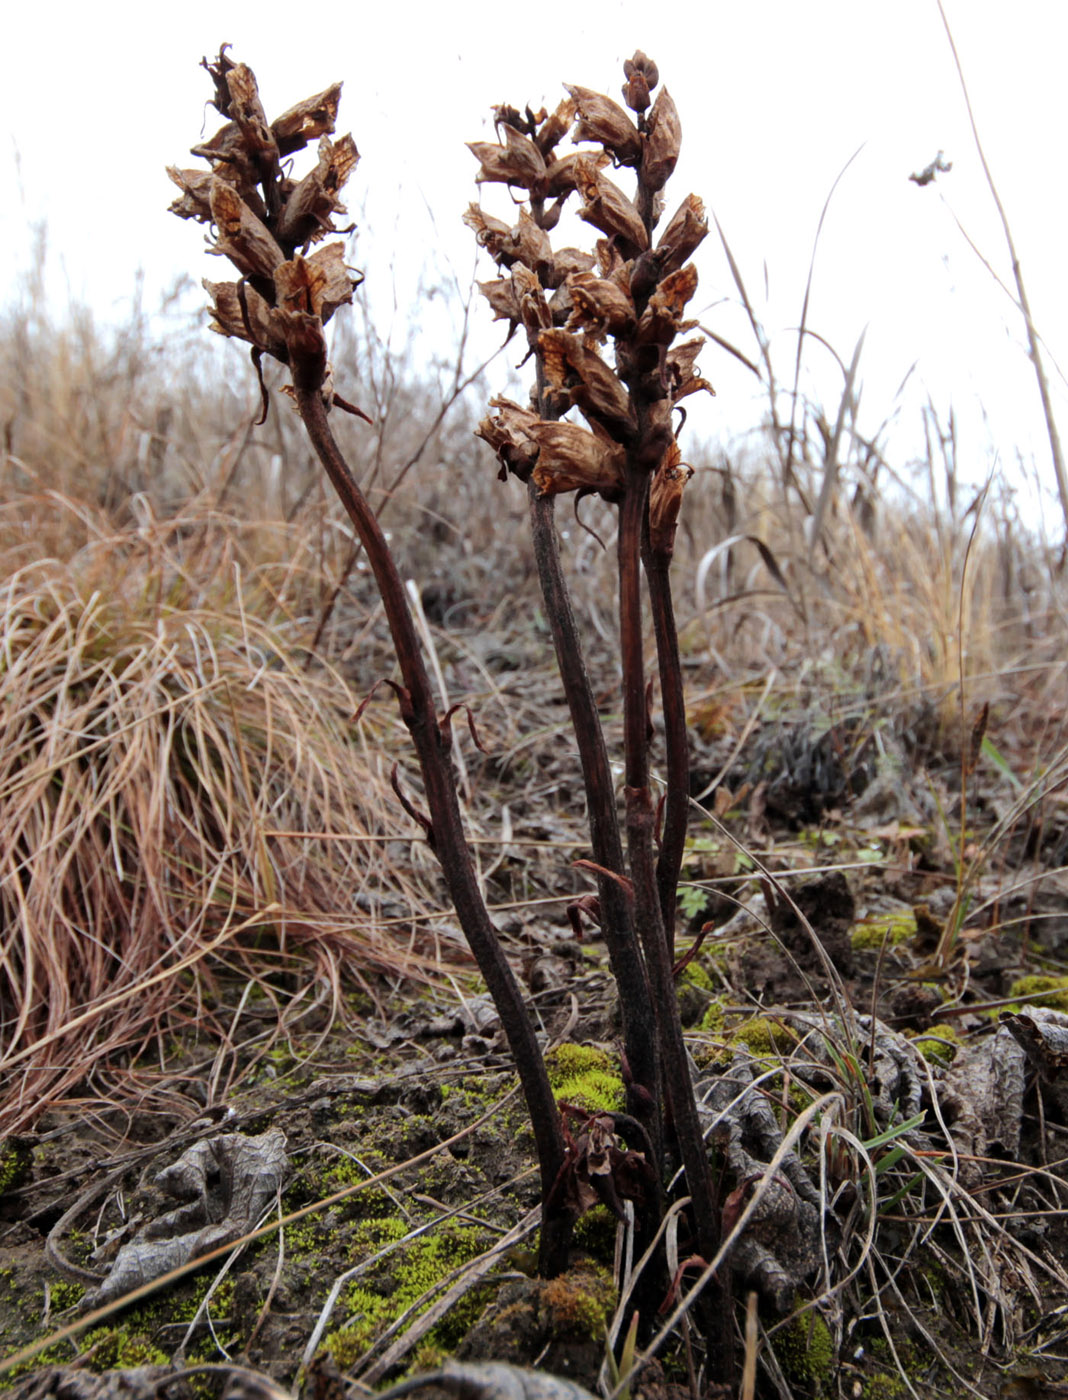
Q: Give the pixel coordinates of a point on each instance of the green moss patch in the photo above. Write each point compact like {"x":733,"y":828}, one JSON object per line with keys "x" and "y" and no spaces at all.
{"x":586,"y":1077}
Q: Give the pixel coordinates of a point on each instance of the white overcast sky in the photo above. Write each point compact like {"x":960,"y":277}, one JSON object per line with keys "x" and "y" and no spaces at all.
{"x":774,"y":95}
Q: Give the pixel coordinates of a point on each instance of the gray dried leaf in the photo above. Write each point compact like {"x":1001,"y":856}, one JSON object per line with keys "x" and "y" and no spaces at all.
{"x":225,"y":1183}
{"x":491,"y":1380}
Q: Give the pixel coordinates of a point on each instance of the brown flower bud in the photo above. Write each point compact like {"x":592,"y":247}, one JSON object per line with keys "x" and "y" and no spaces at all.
{"x":603,"y":121}
{"x":571,"y":458}
{"x":686,"y":229}
{"x":579,"y":376}
{"x":599,"y":305}
{"x":642,"y":76}
{"x":665,"y":500}
{"x":242,"y":237}
{"x":662,"y":142}
{"x":306,"y":217}
{"x":609,"y":209}
{"x":518,"y":162}
{"x":662,"y":319}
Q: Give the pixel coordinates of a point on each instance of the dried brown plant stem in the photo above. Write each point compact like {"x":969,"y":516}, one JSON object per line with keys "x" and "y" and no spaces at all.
{"x":449,"y":843}
{"x":617,"y":922}
{"x":640,"y":820}
{"x":606,"y":843}
{"x":657,"y":563}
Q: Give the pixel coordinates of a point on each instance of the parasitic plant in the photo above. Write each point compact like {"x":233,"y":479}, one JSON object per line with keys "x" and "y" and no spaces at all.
{"x":630,"y":294}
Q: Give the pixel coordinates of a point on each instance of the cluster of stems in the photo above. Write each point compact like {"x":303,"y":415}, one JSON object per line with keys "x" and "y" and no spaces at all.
{"x":630,"y":292}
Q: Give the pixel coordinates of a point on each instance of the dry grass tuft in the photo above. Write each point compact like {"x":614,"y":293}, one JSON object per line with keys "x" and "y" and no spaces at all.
{"x":170,"y":782}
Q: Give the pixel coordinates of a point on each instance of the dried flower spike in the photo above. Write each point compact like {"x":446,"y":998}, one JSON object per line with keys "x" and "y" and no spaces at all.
{"x":265,"y":222}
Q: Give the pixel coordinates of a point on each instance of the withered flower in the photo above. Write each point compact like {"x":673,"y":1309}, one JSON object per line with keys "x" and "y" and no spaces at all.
{"x":686,"y":229}
{"x":599,"y":306}
{"x":530,"y":299}
{"x":239,"y":311}
{"x":607,"y":208}
{"x":560,"y":177}
{"x":492,"y":234}
{"x":246,"y":110}
{"x":307,"y":216}
{"x":530,"y":244}
{"x":579,"y":376}
{"x":500,"y":293}
{"x":551,"y":130}
{"x":518,"y":162}
{"x":307,"y":121}
{"x":662,"y":319}
{"x":571,"y":458}
{"x":195,"y":199}
{"x":662,"y":142}
{"x":508,"y":432}
{"x":261,"y":217}
{"x":569,"y":260}
{"x":242,"y":237}
{"x":603,"y":121}
{"x":318,"y":284}
{"x":665,"y":499}
{"x":680,"y":367}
